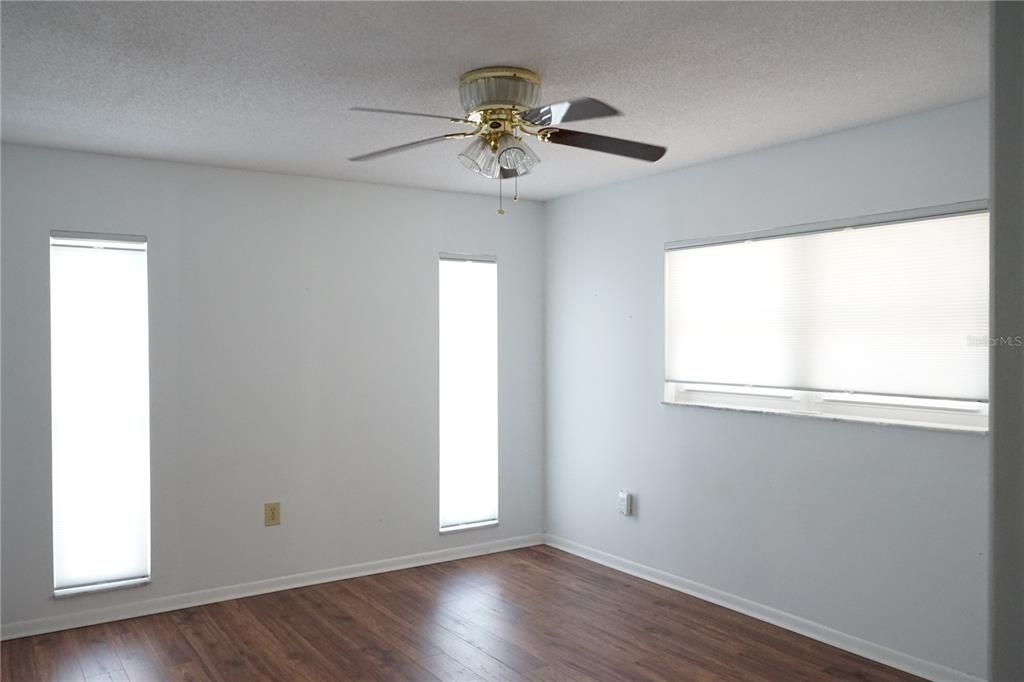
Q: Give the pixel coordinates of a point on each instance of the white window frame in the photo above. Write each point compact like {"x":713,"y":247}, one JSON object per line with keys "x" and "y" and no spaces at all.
{"x":914,"y":411}
{"x":483,"y":523}
{"x":113,"y":241}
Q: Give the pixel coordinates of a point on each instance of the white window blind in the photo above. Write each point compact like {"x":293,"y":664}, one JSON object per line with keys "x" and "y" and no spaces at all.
{"x":897,"y":309}
{"x":468,"y":316}
{"x":99,"y":363}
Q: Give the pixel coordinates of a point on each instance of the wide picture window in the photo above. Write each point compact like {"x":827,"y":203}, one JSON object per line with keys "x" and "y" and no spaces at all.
{"x":885,"y":321}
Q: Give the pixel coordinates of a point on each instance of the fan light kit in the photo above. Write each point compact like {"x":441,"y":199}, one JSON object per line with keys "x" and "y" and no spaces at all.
{"x":501,"y":104}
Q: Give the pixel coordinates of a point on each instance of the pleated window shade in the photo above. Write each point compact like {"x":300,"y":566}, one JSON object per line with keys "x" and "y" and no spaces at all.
{"x":895,"y":309}
{"x":99,"y":374}
{"x":468,"y":392}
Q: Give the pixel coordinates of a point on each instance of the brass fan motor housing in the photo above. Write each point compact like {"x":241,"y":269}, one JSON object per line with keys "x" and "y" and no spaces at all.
{"x":499,"y":87}
{"x":494,"y":96}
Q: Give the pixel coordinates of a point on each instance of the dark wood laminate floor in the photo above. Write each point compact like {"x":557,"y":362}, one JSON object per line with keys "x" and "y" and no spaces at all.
{"x":533,"y":614}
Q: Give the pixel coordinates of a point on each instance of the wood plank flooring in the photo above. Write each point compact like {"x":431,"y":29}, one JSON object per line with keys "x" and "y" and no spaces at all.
{"x":529,"y":615}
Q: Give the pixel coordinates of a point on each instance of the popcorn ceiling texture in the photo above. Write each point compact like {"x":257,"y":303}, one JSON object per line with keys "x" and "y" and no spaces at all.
{"x":267,"y":86}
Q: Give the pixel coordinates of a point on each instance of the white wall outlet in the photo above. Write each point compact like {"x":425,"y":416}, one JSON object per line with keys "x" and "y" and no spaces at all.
{"x":625,"y":503}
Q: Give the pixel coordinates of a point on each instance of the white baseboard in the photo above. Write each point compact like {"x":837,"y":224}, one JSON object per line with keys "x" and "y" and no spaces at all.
{"x":160,"y":604}
{"x":876,"y":652}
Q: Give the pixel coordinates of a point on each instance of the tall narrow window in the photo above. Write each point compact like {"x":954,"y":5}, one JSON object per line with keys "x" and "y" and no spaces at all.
{"x":99,"y":364}
{"x":468,"y":312}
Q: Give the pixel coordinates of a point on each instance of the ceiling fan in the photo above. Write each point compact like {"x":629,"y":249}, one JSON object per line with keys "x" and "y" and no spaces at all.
{"x":501,"y":104}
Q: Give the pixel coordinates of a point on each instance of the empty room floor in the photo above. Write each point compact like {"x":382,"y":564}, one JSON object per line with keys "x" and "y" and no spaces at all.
{"x":527,"y":614}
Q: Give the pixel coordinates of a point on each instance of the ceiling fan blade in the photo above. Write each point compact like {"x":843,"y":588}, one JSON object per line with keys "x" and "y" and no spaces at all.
{"x":609,"y":145}
{"x":573,"y":110}
{"x":409,"y":145}
{"x":452,"y":119}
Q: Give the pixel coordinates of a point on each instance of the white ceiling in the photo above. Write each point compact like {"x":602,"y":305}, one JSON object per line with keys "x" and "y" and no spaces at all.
{"x":267,"y":86}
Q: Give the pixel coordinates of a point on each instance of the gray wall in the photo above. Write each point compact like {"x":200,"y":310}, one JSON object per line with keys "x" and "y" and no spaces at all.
{"x":879,"y":532}
{"x":294,"y":358}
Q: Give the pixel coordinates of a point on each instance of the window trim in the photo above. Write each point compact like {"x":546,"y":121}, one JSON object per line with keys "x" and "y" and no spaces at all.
{"x":970,"y":416}
{"x":92,"y":588}
{"x":116,"y":242}
{"x":462,"y":527}
{"x":496,"y":521}
{"x":870,"y":220}
{"x":904,"y":410}
{"x":467,"y":257}
{"x":70,"y":235}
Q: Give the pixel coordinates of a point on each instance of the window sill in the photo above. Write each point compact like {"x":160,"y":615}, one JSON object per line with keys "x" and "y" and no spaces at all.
{"x":65,"y":592}
{"x":467,"y":526}
{"x":981,"y":431}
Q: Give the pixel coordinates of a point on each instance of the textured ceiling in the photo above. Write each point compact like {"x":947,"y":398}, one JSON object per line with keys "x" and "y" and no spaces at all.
{"x":267,"y":86}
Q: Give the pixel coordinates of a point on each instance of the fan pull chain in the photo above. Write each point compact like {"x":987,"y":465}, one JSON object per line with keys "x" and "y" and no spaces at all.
{"x":501,"y":211}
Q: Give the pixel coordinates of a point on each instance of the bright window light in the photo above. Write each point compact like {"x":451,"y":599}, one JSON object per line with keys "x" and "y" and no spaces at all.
{"x":879,"y":322}
{"x":468,"y":312}
{"x":99,"y":364}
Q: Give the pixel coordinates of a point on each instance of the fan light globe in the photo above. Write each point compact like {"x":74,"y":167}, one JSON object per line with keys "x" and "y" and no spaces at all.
{"x":515,"y":157}
{"x":475,"y":154}
{"x":510,"y":154}
{"x":479,"y":158}
{"x":490,"y":168}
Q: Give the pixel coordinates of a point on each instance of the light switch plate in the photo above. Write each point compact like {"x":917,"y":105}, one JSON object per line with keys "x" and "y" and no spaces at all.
{"x":625,"y":503}
{"x":272,"y":514}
